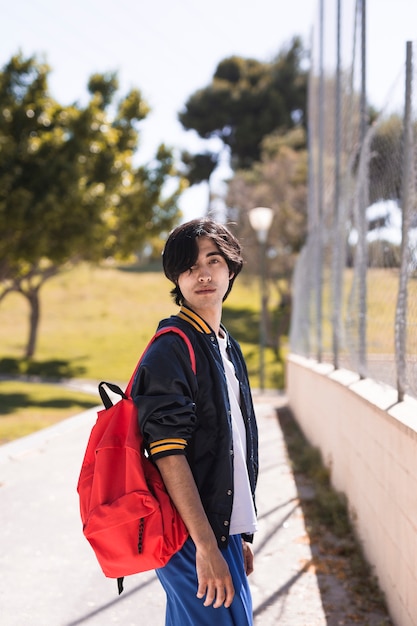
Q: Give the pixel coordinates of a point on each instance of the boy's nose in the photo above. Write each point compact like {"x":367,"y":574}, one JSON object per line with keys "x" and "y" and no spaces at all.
{"x":204,"y":276}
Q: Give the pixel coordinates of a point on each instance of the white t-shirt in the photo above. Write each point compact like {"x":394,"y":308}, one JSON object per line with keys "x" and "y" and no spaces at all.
{"x":243,"y":518}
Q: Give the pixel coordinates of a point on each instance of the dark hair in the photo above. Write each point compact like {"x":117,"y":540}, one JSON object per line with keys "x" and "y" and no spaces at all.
{"x":181,"y":251}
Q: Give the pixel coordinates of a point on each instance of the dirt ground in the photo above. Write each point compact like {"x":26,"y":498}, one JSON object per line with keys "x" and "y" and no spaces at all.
{"x":349,"y":591}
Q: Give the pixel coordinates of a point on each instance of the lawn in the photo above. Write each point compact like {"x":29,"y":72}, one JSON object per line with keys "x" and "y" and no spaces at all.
{"x":95,"y":322}
{"x":28,"y":407}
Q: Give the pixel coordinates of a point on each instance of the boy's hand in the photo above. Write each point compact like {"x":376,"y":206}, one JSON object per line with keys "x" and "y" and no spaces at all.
{"x":214,"y":579}
{"x":247,"y":557}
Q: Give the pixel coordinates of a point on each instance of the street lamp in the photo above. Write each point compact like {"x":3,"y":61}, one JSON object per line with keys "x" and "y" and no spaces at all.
{"x":260,"y":219}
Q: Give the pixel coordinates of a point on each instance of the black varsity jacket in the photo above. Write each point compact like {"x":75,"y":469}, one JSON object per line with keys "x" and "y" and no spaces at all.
{"x":183,"y":413}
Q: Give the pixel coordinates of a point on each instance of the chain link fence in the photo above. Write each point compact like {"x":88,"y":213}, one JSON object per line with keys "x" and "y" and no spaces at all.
{"x":355,"y":284}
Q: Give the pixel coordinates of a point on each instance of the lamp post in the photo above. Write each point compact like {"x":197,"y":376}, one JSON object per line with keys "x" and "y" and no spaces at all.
{"x":260,"y":219}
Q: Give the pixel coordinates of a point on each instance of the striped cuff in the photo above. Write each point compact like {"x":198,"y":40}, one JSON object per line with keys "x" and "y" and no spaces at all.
{"x":167,"y":446}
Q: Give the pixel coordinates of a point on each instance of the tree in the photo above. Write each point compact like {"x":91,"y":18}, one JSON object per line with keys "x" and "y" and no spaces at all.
{"x":199,"y":168}
{"x":247,"y":100}
{"x":69,"y":189}
{"x":386,"y":163}
{"x":279,"y":181}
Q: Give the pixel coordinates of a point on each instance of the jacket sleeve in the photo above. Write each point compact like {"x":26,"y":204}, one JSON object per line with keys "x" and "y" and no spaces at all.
{"x":164,"y":392}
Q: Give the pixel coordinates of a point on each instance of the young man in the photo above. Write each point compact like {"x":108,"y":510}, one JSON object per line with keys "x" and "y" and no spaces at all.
{"x":200,"y":430}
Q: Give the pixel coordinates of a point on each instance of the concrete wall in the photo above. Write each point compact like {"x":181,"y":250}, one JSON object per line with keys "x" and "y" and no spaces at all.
{"x":369,"y":441}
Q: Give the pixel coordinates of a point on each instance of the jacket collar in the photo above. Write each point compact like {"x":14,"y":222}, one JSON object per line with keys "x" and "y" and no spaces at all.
{"x":195,"y":320}
{"x":199,"y":324}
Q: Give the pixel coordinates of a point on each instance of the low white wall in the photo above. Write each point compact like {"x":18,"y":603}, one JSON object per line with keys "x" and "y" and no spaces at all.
{"x":369,"y":442}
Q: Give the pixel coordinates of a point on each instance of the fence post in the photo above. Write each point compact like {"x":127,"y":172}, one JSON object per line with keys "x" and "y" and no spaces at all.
{"x":401,"y":309}
{"x":320,"y":197}
{"x":337,"y":247}
{"x":362,"y":226}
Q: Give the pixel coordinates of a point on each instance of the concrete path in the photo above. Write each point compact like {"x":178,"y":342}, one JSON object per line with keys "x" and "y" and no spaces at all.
{"x":49,"y":575}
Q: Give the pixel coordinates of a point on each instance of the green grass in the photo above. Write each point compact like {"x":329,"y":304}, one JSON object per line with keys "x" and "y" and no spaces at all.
{"x":95,"y":322}
{"x":26,"y":408}
{"x":382,"y":290}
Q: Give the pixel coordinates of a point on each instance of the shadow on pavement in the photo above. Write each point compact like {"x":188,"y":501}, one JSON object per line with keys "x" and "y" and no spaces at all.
{"x":102,"y":609}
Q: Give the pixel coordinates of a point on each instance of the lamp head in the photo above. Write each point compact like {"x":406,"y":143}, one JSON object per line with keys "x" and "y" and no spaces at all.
{"x":260,"y":219}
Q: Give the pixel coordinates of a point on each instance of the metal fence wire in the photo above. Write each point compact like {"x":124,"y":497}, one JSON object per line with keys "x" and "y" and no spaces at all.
{"x":355,"y":284}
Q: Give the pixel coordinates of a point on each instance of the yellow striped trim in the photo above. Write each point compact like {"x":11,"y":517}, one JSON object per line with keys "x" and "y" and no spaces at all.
{"x":164,"y":445}
{"x":195,"y":320}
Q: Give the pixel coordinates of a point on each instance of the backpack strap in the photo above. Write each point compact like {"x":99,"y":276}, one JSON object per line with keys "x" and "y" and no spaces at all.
{"x":105,"y":396}
{"x":164,"y":331}
{"x":126,"y":394}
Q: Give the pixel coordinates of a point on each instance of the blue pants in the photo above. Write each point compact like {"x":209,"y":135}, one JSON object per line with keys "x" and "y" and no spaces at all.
{"x":179,"y":580}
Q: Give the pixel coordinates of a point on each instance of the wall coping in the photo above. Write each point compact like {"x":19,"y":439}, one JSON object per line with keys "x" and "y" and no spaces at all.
{"x":376,"y":393}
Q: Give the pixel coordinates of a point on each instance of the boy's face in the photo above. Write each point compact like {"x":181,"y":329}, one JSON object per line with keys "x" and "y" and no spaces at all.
{"x":205,"y":284}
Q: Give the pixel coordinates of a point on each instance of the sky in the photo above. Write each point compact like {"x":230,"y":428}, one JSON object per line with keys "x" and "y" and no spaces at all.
{"x":170,"y":48}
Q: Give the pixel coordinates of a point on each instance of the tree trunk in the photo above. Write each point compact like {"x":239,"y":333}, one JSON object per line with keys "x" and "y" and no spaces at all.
{"x":34,"y":317}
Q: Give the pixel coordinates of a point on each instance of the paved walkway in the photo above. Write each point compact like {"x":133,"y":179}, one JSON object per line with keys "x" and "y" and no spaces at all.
{"x":49,"y":575}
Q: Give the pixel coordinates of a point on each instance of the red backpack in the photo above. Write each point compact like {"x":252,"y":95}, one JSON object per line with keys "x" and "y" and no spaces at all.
{"x":127,"y":514}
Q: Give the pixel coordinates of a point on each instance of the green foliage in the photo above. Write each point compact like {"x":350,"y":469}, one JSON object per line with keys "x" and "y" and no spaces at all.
{"x":106,"y":85}
{"x":69,"y":189}
{"x":386,"y":164}
{"x":249,"y":99}
{"x":278,"y":181}
{"x":199,"y":167}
